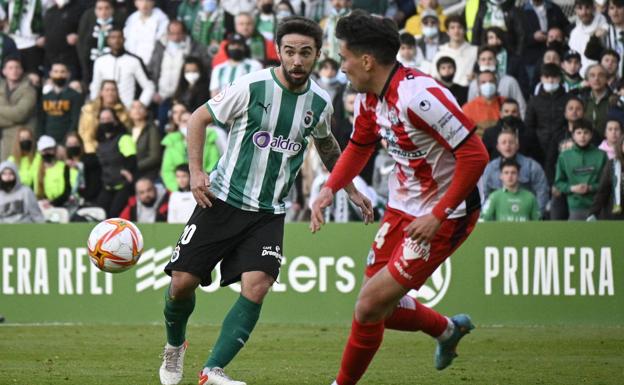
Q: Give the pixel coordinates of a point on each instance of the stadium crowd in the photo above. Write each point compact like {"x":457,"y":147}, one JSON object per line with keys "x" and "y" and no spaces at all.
{"x":95,"y":97}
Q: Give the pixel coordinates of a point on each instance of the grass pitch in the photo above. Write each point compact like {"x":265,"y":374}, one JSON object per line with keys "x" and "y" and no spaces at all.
{"x":284,"y":354}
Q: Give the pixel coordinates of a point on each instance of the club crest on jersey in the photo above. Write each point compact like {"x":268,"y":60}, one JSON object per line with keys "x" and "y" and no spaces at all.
{"x":219,"y":97}
{"x":264,"y":139}
{"x":393,"y":117}
{"x":308,"y":118}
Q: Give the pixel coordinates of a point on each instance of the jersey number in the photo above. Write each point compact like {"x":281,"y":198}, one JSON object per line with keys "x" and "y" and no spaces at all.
{"x":380,"y":237}
{"x":187,"y":234}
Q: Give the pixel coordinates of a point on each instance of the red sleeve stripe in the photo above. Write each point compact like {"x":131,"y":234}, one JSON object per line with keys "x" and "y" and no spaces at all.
{"x":452,"y":107}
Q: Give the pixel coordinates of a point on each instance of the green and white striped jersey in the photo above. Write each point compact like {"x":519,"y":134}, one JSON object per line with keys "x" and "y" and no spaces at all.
{"x":225,"y":73}
{"x":269,"y":129}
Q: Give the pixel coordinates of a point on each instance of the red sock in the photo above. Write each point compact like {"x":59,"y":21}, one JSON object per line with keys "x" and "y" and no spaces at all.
{"x":410,"y":315}
{"x":359,"y":352}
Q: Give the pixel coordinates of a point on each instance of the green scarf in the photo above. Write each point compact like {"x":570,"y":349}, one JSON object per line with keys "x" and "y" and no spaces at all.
{"x":20,"y":7}
{"x":501,"y":59}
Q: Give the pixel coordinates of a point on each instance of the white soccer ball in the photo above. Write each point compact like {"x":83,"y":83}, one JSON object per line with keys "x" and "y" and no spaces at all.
{"x":115,"y":245}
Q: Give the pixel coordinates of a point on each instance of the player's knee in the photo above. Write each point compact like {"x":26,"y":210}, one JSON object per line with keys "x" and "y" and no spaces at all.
{"x":183,"y":285}
{"x":256,"y":285}
{"x":368,"y":310}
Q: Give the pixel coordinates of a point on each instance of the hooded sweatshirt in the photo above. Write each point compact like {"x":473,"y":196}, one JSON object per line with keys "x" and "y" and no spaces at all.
{"x":19,"y":205}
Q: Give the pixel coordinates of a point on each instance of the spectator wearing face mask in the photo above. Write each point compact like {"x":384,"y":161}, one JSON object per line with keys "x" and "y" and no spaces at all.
{"x":266,"y":20}
{"x":148,"y":205}
{"x":193,"y":87}
{"x":539,"y":17}
{"x":432,"y":37}
{"x":510,"y":118}
{"x":507,"y":62}
{"x":237,"y":65}
{"x":329,"y":81}
{"x":484,"y":110}
{"x":53,"y":181}
{"x":506,"y":85}
{"x":116,"y":152}
{"x":18,"y":203}
{"x":167,"y":61}
{"x":463,"y":53}
{"x":59,"y":111}
{"x":446,"y":69}
{"x":545,"y":112}
{"x":417,"y":24}
{"x":283,"y":9}
{"x":89,"y":173}
{"x":25,"y":156}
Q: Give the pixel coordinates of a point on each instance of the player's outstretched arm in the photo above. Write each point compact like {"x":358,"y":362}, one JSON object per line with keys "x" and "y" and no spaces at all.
{"x":200,"y":181}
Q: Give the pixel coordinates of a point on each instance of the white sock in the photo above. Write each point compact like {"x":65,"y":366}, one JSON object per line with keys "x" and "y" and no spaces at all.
{"x":334,"y":383}
{"x":446,"y":334}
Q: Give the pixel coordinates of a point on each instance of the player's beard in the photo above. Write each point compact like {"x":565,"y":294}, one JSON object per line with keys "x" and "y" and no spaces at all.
{"x":294,"y":81}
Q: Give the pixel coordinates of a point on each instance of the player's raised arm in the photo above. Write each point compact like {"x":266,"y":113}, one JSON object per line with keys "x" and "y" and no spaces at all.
{"x":200,"y":181}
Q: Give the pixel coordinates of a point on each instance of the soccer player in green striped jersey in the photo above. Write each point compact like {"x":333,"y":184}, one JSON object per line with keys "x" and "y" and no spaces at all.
{"x":271,"y":116}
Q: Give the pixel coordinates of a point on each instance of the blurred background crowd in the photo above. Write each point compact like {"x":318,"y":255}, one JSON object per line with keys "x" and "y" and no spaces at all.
{"x":95,"y":97}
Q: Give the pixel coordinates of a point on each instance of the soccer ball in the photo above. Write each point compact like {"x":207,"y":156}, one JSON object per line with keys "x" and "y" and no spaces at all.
{"x":115,"y":245}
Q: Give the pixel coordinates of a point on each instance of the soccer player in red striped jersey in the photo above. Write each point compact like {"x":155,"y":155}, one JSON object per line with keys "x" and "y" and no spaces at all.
{"x":433,"y":204}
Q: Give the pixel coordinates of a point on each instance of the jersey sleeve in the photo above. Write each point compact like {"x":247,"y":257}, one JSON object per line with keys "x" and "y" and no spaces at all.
{"x":364,"y":133}
{"x":435,"y":111}
{"x":228,"y":104}
{"x":323,"y":127}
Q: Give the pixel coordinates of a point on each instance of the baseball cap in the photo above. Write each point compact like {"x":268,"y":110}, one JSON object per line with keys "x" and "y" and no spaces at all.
{"x":429,"y":13}
{"x":571,"y":54}
{"x":44,"y":142}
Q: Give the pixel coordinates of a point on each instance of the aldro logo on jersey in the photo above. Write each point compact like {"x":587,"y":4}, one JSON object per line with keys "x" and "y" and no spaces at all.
{"x":264,"y":139}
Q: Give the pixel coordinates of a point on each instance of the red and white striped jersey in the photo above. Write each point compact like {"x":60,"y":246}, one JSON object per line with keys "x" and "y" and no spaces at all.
{"x":423,"y":125}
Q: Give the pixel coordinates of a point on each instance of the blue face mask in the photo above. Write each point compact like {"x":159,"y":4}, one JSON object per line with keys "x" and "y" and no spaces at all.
{"x":210,"y":5}
{"x":487,"y":89}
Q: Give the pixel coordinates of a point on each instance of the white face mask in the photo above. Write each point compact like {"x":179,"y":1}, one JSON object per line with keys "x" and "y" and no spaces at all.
{"x":429,"y":31}
{"x":550,"y":87}
{"x":184,"y":131}
{"x":191,"y":77}
{"x":491,"y":68}
{"x":487,"y":89}
{"x":61,"y":3}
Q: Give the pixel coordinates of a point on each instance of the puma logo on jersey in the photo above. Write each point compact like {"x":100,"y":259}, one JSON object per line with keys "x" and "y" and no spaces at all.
{"x":266,"y":108}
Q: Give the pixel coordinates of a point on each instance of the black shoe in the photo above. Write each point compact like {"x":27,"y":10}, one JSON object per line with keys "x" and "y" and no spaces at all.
{"x":1,"y":318}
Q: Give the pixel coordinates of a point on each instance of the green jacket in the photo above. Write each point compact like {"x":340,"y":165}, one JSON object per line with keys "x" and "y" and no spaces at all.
{"x":576,"y":166}
{"x":507,"y":206}
{"x":174,"y":155}
{"x":59,"y":113}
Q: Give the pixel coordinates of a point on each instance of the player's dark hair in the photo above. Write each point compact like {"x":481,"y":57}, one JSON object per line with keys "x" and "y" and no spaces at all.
{"x":509,"y":162}
{"x":617,"y":3}
{"x":374,"y":35}
{"x":582,"y":124}
{"x":302,"y":26}
{"x":510,"y":101}
{"x":576,"y":99}
{"x":184,"y":167}
{"x":587,"y":3}
{"x":610,"y":52}
{"x":454,"y":19}
{"x":407,"y":39}
{"x":550,"y":70}
{"x":177,"y":22}
{"x":487,"y":48}
{"x":508,"y":128}
{"x":12,"y":58}
{"x":446,"y":60}
{"x":329,"y":62}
